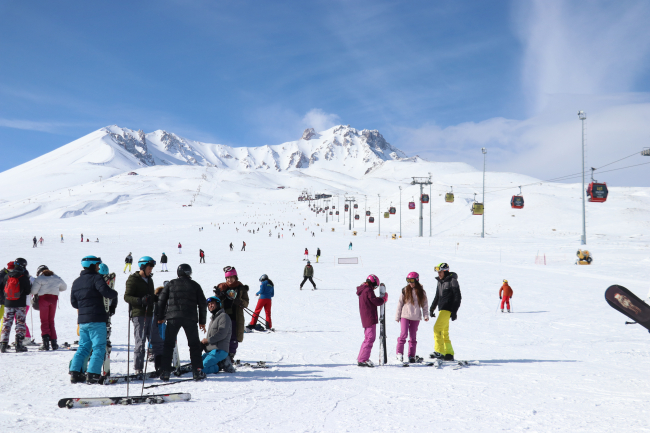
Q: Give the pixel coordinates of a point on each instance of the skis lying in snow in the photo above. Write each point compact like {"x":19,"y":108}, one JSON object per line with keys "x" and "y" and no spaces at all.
{"x":110,"y":380}
{"x":259,"y":364}
{"x":171,"y":382}
{"x":457,"y":364}
{"x":71,"y":403}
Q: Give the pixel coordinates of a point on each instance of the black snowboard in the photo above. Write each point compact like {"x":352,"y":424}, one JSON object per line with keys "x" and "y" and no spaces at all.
{"x":621,"y":299}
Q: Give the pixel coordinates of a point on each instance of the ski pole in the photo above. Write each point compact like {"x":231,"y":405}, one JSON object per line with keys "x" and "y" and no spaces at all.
{"x":258,"y":317}
{"x":128,"y":353}
{"x":144,"y":375}
{"x":31,"y":316}
{"x":630,"y":323}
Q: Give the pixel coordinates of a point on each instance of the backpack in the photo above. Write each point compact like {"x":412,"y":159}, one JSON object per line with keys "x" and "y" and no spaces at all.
{"x":12,"y":289}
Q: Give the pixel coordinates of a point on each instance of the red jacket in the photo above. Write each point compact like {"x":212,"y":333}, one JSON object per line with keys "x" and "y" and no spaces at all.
{"x":505,"y":290}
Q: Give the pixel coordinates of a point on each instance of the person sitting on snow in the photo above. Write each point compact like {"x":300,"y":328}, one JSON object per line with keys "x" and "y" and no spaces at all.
{"x":217,"y":343}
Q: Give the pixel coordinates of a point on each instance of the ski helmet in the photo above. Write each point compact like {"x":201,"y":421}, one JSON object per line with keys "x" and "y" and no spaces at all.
{"x":373,"y":280}
{"x":264,"y":277}
{"x":442,"y":267}
{"x":41,"y":269}
{"x":88,"y":261}
{"x":213,"y":299}
{"x":230,"y":271}
{"x":505,"y":281}
{"x":308,"y":262}
{"x":103,"y":269}
{"x":184,"y":270}
{"x":146,"y":261}
{"x":413,"y":275}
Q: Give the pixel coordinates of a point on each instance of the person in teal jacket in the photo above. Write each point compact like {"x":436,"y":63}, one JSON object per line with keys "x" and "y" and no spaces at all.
{"x":265,"y":293}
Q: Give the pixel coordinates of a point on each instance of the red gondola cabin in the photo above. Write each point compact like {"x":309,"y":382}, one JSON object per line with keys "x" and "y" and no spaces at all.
{"x":392,"y":210}
{"x":411,"y":205}
{"x":425,"y":198}
{"x":517,"y":202}
{"x":597,"y":192}
{"x":371,"y":219}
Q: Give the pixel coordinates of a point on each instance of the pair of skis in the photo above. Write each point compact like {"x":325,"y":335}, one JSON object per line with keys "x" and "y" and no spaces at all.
{"x":72,"y":403}
{"x":383,"y":356}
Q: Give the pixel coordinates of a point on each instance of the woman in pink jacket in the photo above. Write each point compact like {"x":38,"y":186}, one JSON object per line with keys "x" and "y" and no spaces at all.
{"x":412,"y":306}
{"x":368,"y":303}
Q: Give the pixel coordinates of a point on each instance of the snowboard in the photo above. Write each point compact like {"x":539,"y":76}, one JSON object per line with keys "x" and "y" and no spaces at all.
{"x":626,"y":302}
{"x":71,"y":403}
{"x":383,"y":356}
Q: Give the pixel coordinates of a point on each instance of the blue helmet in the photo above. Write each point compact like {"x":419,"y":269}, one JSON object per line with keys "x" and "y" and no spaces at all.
{"x":88,"y":261}
{"x":213,"y":299}
{"x":103,"y":269}
{"x":264,"y":277}
{"x":146,"y":261}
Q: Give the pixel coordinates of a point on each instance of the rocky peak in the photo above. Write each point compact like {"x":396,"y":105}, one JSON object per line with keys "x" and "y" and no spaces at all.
{"x":308,"y":134}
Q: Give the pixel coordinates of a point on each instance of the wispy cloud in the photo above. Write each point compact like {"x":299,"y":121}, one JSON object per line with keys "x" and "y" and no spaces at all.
{"x":31,"y":125}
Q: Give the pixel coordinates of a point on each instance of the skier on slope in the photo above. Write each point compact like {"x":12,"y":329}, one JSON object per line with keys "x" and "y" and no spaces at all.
{"x":231,"y":246}
{"x":16,"y":287}
{"x":182,"y":304}
{"x":350,"y":246}
{"x":308,"y":274}
{"x":128,"y":261}
{"x":234,"y":295}
{"x":505,"y":293}
{"x":317,"y":254}
{"x":447,"y":300}
{"x":368,"y":304}
{"x":180,"y":248}
{"x":266,"y":293}
{"x":87,"y":296}
{"x":306,"y":254}
{"x":47,"y":287}
{"x":201,"y":256}
{"x":163,"y":263}
{"x":216,"y":343}
{"x":35,"y":242}
{"x":141,"y":297}
{"x":411,"y":308}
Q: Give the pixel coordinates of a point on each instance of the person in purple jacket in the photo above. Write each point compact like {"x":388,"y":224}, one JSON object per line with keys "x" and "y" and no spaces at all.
{"x":368,"y":304}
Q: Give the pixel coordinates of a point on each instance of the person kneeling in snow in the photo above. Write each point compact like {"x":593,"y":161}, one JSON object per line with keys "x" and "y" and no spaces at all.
{"x":217,"y":343}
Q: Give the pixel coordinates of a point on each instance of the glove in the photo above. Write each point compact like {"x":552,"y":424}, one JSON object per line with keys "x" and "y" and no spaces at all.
{"x":385,"y":297}
{"x":111,"y":310}
{"x":432,"y":312}
{"x":453,"y":316}
{"x":500,"y":297}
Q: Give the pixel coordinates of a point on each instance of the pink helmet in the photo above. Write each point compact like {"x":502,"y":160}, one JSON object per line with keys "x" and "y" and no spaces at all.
{"x":373,"y":279}
{"x":230,"y":271}
{"x":413,"y":275}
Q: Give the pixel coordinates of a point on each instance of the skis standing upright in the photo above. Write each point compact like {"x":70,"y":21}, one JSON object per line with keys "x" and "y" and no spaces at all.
{"x":383,"y":358}
{"x":110,"y":280}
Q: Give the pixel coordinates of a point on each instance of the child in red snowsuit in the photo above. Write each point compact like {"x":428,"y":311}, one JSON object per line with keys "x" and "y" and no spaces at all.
{"x":505,"y":293}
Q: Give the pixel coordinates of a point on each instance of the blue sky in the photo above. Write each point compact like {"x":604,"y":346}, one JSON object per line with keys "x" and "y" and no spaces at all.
{"x":440,"y":79}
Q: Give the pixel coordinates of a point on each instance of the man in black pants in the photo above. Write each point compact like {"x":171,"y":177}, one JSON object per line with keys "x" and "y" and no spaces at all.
{"x":182,"y":304}
{"x":308,"y":274}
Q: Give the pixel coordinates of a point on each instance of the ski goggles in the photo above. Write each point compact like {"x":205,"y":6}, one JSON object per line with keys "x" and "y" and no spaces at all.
{"x":411,"y":280}
{"x":228,"y":268}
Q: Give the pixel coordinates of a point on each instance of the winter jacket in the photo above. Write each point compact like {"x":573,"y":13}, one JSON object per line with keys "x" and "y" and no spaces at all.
{"x":235,"y":308}
{"x":3,"y":274}
{"x":163,"y":258}
{"x":318,"y":252}
{"x":129,"y":259}
{"x":447,"y":294}
{"x":267,"y":291}
{"x":25,"y":289}
{"x":182,"y":298}
{"x":48,"y":283}
{"x":201,"y":253}
{"x":219,"y":331}
{"x":87,"y":296}
{"x":505,"y":290}
{"x":368,"y":304}
{"x":136,"y":288}
{"x":309,"y":271}
{"x":412,"y":311}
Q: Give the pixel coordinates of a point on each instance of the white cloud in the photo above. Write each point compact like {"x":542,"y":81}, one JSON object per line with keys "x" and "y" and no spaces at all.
{"x":320,"y":120}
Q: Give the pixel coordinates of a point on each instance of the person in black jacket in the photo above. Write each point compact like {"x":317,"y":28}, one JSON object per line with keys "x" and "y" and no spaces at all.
{"x":87,"y":296}
{"x":447,"y":300}
{"x":182,"y":303}
{"x":163,"y":263}
{"x":128,"y":261}
{"x":15,"y":289}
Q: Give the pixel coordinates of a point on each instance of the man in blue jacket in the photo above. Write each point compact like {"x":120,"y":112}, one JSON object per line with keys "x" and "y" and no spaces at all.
{"x":265,"y":293}
{"x":87,"y":296}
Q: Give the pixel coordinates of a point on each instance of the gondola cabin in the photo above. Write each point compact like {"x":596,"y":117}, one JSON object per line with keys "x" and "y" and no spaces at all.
{"x":392,"y":210}
{"x":449,"y":197}
{"x":347,"y":207}
{"x":330,"y":212}
{"x":327,"y":208}
{"x":337,"y":212}
{"x":386,"y":215}
{"x":597,"y":192}
{"x":424,"y":198}
{"x":371,"y":219}
{"x":356,"y":217}
{"x":477,"y":208}
{"x":411,"y":205}
{"x":517,"y":202}
{"x":367,"y":213}
{"x":356,"y":206}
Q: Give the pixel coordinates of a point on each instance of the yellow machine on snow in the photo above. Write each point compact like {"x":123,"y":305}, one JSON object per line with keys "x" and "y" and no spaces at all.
{"x":584,"y":257}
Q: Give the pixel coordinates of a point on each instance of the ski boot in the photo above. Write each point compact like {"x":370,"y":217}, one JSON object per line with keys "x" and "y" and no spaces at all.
{"x":92,"y":378}
{"x":449,"y":357}
{"x":502,"y":310}
{"x":436,"y":355}
{"x":367,"y":363}
{"x":54,"y":345}
{"x":3,"y":347}
{"x":46,"y":343}
{"x":138,"y":375}
{"x":400,"y":358}
{"x":19,"y":344}
{"x":226,"y":365}
{"x":77,"y":377}
{"x":164,"y":375}
{"x":508,"y":311}
{"x":250,"y":327}
{"x":198,"y":374}
{"x":414,"y":359}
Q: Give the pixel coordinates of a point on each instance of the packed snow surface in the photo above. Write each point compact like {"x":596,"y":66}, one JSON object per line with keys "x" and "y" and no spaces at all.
{"x":563,"y":360}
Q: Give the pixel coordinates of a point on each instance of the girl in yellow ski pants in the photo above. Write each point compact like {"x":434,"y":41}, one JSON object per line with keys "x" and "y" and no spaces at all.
{"x":441,"y":333}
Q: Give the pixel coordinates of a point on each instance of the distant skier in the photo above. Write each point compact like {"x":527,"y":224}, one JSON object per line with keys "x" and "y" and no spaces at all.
{"x":243,"y":247}
{"x":35,"y":242}
{"x":180,"y":248}
{"x":368,"y":304}
{"x":505,"y":293}
{"x":350,"y":246}
{"x":308,"y":274}
{"x":265,"y":293}
{"x":447,"y":300}
{"x":231,"y":246}
{"x":61,"y":238}
{"x":163,"y":263}
{"x":128,"y":261}
{"x":41,"y":240}
{"x":201,"y":256}
{"x":82,"y":237}
{"x":317,"y":254}
{"x":306,"y":254}
{"x":411,"y":308}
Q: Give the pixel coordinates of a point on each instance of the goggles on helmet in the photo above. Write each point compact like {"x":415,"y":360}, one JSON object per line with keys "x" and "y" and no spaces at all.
{"x":411,"y":280}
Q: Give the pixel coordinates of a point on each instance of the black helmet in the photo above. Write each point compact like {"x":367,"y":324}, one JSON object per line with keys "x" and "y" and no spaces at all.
{"x":184,"y":270}
{"x":20,"y":264}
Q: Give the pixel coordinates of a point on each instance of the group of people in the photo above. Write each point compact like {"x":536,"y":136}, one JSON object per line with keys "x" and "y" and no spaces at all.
{"x":37,"y":241}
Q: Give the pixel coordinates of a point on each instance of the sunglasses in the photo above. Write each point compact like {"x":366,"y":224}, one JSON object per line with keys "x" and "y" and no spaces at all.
{"x":411,"y":280}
